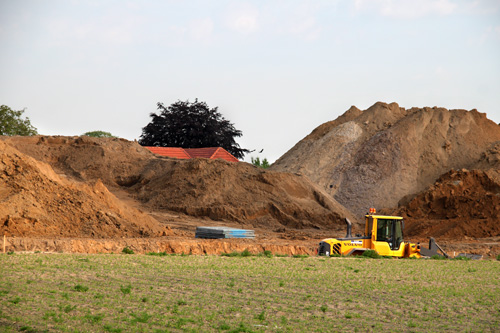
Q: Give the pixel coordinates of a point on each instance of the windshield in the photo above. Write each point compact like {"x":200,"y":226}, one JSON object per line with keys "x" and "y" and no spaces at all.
{"x":390,"y":231}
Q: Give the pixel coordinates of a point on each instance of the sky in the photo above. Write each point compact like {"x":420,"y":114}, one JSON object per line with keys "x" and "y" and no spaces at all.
{"x":276,"y":69}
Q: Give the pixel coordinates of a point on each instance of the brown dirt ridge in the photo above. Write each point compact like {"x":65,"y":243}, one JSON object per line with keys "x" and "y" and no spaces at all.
{"x":373,"y":158}
{"x":438,"y":168}
{"x":113,"y":188}
{"x":35,"y":201}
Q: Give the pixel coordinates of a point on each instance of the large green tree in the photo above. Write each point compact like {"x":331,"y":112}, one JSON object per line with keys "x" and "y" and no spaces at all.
{"x":191,"y":125}
{"x":12,"y":123}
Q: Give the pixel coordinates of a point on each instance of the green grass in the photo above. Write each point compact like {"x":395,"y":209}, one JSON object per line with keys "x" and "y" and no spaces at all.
{"x":263,"y":293}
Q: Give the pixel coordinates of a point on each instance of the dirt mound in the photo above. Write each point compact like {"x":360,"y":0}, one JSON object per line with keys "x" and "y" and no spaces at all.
{"x":460,"y":204}
{"x":373,"y":158}
{"x":216,"y":189}
{"x":35,"y":201}
{"x":237,"y":192}
{"x":114,"y":161}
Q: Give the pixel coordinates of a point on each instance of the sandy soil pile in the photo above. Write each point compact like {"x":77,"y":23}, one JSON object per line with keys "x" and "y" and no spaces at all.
{"x":460,"y":204}
{"x":114,"y":161}
{"x":219,"y":190}
{"x":35,"y":201}
{"x":376,"y":157}
{"x":72,"y":190}
{"x":238,"y":192}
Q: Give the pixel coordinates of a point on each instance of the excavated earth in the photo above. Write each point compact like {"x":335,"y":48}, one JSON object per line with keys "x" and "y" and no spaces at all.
{"x":81,"y":194}
{"x":438,"y":168}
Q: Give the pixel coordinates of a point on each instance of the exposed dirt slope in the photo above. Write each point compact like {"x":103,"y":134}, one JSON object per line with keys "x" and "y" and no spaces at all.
{"x":461,"y":204}
{"x":373,"y":158}
{"x":35,"y":201}
{"x":237,"y":192}
{"x":113,"y":161}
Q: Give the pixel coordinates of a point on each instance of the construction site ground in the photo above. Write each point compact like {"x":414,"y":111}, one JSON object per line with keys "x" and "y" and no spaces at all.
{"x":100,"y":195}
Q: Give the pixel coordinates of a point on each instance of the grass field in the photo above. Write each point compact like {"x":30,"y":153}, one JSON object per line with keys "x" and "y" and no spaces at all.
{"x":146,"y":293}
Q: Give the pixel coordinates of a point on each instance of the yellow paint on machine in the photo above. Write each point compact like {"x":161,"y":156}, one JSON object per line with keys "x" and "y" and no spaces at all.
{"x":384,"y":234}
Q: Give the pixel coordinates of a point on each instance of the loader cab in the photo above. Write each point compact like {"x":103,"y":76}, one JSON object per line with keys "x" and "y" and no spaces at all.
{"x":385,"y":229}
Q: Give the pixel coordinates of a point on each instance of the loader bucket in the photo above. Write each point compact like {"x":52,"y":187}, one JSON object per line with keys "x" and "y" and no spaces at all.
{"x":433,"y":250}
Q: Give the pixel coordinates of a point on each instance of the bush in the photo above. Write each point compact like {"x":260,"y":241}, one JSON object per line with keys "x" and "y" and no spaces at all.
{"x":371,"y":254}
{"x":266,"y":253}
{"x":258,"y":163}
{"x":498,"y":257}
{"x":127,"y":250}
{"x":246,"y":253}
{"x":99,"y":134}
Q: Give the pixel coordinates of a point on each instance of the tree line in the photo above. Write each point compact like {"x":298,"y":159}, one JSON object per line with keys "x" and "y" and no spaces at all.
{"x":182,"y":124}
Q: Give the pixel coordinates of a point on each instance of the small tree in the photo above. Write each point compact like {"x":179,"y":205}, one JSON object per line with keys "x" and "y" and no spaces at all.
{"x":191,"y":125}
{"x":99,"y":134}
{"x":11,"y":123}
{"x":257,"y":162}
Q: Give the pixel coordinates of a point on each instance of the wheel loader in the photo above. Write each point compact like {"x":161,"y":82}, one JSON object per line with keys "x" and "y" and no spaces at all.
{"x":384,"y":234}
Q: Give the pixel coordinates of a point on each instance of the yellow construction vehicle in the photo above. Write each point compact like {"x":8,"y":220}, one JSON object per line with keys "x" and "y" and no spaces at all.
{"x":384,"y":234}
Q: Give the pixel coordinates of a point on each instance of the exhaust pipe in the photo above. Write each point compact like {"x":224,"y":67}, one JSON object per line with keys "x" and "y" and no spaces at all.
{"x":349,"y":228}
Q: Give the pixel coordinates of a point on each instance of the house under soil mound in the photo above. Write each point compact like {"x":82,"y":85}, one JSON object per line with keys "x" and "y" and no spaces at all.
{"x":36,"y":202}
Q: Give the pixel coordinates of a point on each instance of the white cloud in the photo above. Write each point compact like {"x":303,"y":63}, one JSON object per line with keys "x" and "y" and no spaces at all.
{"x":407,"y":9}
{"x":243,"y":19}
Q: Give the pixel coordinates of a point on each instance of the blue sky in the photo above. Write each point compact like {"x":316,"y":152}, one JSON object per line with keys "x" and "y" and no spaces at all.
{"x":276,"y":69}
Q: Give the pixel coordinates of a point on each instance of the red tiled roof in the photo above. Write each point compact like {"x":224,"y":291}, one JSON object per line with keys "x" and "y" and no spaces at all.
{"x":170,"y":152}
{"x":211,"y":153}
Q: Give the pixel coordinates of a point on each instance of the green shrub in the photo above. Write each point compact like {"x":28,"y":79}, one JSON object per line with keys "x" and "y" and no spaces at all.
{"x":371,"y":254}
{"x":266,"y":253}
{"x":246,"y":253}
{"x":127,"y":250}
{"x":258,"y":163}
{"x":498,"y":257}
